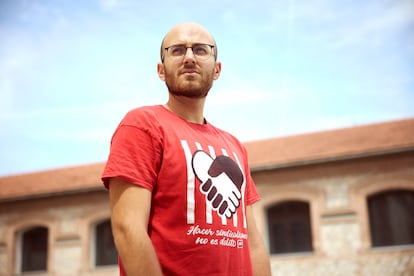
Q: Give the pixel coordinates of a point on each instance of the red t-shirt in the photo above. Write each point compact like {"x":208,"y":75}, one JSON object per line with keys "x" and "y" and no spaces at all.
{"x":201,"y":185}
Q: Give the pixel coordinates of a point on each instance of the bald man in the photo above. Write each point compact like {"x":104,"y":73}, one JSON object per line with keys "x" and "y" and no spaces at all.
{"x":180,"y":189}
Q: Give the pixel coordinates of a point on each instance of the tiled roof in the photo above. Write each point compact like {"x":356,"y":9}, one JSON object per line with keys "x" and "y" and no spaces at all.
{"x":323,"y":146}
{"x":51,"y":182}
{"x":339,"y":144}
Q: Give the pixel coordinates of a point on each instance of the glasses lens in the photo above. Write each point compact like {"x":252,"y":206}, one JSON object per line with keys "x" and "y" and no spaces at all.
{"x":177,"y":50}
{"x":202,"y":50}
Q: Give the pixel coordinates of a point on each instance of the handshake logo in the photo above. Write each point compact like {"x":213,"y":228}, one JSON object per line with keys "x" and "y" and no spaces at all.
{"x":221,"y":181}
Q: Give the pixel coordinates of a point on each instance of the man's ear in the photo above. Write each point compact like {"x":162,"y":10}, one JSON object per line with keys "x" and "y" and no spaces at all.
{"x":160,"y":70}
{"x":217,"y":70}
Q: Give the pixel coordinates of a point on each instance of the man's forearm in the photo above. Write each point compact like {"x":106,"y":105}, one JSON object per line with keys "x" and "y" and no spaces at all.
{"x":137,"y":254}
{"x":260,"y":262}
{"x":130,"y":205}
{"x":258,"y":253}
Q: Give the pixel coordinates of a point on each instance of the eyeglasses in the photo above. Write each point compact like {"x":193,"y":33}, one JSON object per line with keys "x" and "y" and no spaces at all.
{"x":201,"y":51}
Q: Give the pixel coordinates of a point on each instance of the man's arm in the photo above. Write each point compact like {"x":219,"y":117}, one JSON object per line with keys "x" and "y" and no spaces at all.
{"x":258,"y":252}
{"x":130,"y":209}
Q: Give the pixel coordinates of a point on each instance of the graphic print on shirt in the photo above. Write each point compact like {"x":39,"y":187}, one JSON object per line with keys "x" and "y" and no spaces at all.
{"x":221,"y":182}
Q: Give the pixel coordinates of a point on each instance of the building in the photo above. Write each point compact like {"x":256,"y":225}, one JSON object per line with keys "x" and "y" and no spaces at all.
{"x":337,"y":202}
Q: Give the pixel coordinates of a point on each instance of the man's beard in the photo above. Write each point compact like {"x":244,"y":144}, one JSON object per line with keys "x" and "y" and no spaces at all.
{"x":189,"y":87}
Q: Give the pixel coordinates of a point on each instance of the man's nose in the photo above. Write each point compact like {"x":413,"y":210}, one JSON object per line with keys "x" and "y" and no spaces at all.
{"x":189,"y":55}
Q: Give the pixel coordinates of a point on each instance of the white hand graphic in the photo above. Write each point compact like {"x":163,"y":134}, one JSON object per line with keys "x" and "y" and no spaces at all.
{"x":221,"y":181}
{"x":223,"y":195}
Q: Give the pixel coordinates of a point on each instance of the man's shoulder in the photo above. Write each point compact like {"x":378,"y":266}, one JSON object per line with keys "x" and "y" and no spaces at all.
{"x":144,"y":110}
{"x":221,"y":130}
{"x":227,"y":134}
{"x":142,"y":113}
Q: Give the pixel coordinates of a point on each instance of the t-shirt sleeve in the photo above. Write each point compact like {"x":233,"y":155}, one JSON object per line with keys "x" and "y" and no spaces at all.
{"x":252,"y":195}
{"x":134,"y":157}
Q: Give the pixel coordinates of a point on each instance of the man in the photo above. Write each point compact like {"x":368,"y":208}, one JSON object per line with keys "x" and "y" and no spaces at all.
{"x":180,"y":189}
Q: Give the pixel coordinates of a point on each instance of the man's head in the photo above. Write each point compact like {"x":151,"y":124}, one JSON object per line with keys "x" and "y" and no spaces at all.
{"x":179,"y":28}
{"x":188,"y":60}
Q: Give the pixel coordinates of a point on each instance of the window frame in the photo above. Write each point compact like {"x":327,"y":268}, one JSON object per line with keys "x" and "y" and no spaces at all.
{"x":358,"y":195}
{"x":93,"y":245}
{"x":308,"y":217}
{"x":382,"y":199}
{"x":19,"y":250}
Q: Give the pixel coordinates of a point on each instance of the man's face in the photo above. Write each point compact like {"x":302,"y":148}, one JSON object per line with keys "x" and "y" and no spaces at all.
{"x":188,"y":75}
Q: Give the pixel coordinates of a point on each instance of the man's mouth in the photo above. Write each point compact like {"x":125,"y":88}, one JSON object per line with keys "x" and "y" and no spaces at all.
{"x":189,"y":72}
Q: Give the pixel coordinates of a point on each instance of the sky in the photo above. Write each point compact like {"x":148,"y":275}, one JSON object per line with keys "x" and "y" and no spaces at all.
{"x":70,"y":70}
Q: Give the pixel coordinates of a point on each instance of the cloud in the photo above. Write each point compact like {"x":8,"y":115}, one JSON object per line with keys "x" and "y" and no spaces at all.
{"x":237,"y":96}
{"x":15,"y":61}
{"x":380,"y":25}
{"x":61,"y":24}
{"x":69,"y":73}
{"x":108,"y":5}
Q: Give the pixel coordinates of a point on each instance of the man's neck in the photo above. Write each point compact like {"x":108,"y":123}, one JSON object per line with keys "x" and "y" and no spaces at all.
{"x":190,"y":109}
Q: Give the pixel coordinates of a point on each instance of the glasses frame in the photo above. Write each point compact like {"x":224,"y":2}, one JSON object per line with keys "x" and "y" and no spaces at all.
{"x":186,"y":47}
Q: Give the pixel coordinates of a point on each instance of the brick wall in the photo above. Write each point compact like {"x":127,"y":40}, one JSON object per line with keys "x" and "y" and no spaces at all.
{"x":336,"y":192}
{"x":68,"y":218}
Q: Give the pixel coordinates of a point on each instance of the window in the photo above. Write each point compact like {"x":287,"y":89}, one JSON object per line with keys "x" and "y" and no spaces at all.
{"x":289,"y":227}
{"x":32,"y":246}
{"x":105,"y":251}
{"x":391,"y":217}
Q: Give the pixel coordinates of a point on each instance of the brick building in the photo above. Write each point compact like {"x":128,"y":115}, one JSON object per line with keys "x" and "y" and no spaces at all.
{"x":337,"y":202}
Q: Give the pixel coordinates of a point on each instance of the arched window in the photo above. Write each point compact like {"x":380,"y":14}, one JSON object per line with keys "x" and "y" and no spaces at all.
{"x":391,"y":218}
{"x":104,"y":250}
{"x":289,"y":227}
{"x":32,"y":247}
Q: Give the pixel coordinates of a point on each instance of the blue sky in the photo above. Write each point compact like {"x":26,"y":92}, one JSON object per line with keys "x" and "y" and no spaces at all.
{"x":69,"y":70}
